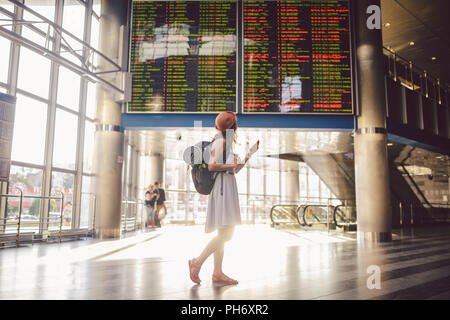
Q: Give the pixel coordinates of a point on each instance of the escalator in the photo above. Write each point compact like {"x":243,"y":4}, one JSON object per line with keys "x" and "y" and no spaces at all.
{"x":413,"y":186}
{"x":284,"y":215}
{"x":409,"y":205}
{"x":336,"y":170}
{"x":318,"y":216}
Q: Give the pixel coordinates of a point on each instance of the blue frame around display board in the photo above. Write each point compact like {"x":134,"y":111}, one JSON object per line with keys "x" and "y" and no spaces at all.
{"x":183,"y":56}
{"x":251,"y":57}
{"x":164,"y":121}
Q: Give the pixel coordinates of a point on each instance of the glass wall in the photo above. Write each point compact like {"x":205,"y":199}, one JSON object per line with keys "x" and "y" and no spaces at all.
{"x":63,"y":183}
{"x":65,"y":142}
{"x":29,"y":180}
{"x":30,"y":127}
{"x":34,"y":73}
{"x":55,"y":113}
{"x":68,"y":89}
{"x":267,"y":187}
{"x":37,"y":32}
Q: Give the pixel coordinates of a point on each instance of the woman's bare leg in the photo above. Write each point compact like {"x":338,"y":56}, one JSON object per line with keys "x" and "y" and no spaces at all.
{"x":210,"y":248}
{"x":218,"y":274}
{"x":218,"y":258}
{"x":215,"y":245}
{"x":218,"y":241}
{"x":196,"y":263}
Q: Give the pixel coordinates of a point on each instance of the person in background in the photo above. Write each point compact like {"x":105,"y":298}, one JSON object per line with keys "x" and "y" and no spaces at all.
{"x":150,"y":199}
{"x":160,"y":202}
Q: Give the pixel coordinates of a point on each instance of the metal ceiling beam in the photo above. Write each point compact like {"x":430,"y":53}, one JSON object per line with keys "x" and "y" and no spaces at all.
{"x":56,"y":57}
{"x":60,"y":29}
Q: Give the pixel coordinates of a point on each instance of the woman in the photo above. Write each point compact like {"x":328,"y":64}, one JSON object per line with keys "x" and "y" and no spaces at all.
{"x":223,"y":203}
{"x":150,"y":198}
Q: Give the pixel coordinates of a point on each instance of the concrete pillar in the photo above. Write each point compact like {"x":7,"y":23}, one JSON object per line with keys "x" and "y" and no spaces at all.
{"x":292,"y":172}
{"x":292,"y":182}
{"x":373,"y":201}
{"x":156,"y":146}
{"x":109,"y":138}
{"x":156,"y":172}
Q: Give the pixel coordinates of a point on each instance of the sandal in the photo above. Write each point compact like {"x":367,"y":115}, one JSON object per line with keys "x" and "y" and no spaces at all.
{"x":222,"y":278}
{"x":194,"y":270}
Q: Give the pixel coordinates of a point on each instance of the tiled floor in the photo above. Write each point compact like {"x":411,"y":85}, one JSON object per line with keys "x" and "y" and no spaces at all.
{"x":270,"y":264}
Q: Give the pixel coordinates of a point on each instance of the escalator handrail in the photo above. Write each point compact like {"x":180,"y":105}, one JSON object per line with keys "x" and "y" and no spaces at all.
{"x":416,"y":186}
{"x":313,"y":205}
{"x":334,"y":214}
{"x":279,"y":205}
{"x":298,"y":215}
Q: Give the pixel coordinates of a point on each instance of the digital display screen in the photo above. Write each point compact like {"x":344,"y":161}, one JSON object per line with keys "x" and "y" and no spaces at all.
{"x":183,"y":56}
{"x":297,"y":57}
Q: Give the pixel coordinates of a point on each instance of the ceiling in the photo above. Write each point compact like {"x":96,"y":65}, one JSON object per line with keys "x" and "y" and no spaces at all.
{"x":427,"y":24}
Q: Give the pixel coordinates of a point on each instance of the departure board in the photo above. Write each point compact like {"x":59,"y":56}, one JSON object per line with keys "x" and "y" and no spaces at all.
{"x":183,"y":56}
{"x":297,"y":57}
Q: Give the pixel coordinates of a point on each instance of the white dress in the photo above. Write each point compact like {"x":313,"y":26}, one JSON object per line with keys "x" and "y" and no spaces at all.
{"x":223,"y":202}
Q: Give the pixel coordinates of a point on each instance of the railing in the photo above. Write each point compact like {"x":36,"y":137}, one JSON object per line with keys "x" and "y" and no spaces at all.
{"x":259,"y":208}
{"x":328,"y":214}
{"x":344,"y":214}
{"x":44,"y":223}
{"x":132,"y":215}
{"x":316,"y":213}
{"x":191,"y":209}
{"x":5,"y":223}
{"x":341,"y":218}
{"x":314,"y":210}
{"x":284,"y":214}
{"x":414,"y":77}
{"x":415,"y":214}
{"x":327,"y":211}
{"x":414,"y":187}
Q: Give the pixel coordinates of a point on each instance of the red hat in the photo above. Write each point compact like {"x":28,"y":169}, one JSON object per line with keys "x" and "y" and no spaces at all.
{"x":225,"y":120}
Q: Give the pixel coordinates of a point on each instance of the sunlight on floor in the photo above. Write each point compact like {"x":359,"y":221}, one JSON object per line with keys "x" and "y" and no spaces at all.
{"x":184,"y":242}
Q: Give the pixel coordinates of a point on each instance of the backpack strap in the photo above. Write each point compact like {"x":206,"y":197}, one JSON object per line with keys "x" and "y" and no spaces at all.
{"x":221,"y":184}
{"x":224,"y":162}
